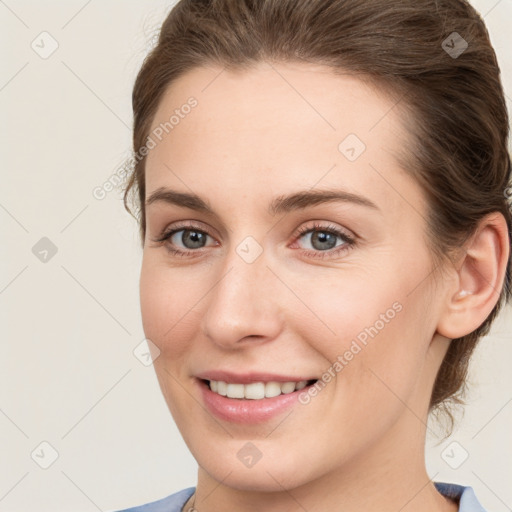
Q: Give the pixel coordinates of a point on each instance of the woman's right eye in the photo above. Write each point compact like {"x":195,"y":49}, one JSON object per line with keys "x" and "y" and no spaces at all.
{"x":190,"y":238}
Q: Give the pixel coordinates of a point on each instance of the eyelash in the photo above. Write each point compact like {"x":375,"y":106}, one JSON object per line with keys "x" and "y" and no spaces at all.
{"x":349,"y":241}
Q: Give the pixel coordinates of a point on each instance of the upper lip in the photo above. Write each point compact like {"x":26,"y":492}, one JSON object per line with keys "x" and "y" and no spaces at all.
{"x":249,"y":377}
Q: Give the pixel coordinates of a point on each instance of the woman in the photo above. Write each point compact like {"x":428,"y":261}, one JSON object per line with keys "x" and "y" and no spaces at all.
{"x":326,"y":236}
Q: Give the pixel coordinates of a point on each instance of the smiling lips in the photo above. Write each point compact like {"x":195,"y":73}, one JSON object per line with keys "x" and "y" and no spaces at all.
{"x":249,"y":398}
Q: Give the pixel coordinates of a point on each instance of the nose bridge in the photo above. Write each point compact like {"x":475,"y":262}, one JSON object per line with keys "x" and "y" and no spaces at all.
{"x":244,"y":300}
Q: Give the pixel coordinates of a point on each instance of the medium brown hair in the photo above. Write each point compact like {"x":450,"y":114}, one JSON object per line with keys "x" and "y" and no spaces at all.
{"x":459,"y":122}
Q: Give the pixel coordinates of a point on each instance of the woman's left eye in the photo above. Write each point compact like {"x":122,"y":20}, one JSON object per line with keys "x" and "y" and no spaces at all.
{"x":322,"y":240}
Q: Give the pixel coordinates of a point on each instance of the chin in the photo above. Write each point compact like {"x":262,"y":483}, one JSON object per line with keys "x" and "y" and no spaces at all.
{"x":272,"y":472}
{"x":273,"y":479}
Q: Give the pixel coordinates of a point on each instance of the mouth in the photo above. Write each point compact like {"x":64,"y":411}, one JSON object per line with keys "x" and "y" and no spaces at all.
{"x":250,"y":399}
{"x":256,"y":390}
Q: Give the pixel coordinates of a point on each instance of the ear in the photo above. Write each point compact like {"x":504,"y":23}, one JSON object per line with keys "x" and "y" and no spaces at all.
{"x":478,"y":280}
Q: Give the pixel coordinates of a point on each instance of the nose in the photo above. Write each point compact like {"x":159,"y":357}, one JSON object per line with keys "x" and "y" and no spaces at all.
{"x":244,"y":305}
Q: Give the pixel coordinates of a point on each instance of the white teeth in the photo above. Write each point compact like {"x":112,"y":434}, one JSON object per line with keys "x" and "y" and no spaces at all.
{"x":272,"y":389}
{"x":255,"y":390}
{"x":222,"y":388}
{"x":235,"y":391}
{"x":288,"y":387}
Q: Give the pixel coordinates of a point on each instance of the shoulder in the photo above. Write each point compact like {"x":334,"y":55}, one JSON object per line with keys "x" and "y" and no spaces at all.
{"x":465,"y":496}
{"x":172,"y":503}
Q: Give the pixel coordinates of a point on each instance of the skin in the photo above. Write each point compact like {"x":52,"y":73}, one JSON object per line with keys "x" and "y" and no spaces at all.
{"x":255,"y":135}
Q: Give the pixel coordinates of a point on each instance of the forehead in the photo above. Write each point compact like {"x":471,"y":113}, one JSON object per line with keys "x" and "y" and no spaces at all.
{"x":276,"y":126}
{"x":306,"y":98}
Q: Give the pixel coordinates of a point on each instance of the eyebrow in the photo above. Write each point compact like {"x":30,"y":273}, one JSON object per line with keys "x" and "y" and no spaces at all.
{"x":280,"y":204}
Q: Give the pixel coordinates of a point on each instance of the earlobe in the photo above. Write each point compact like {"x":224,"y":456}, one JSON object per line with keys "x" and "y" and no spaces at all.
{"x":479,"y":281}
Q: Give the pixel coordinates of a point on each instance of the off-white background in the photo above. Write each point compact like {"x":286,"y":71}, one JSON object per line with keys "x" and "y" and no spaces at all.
{"x":69,"y":326}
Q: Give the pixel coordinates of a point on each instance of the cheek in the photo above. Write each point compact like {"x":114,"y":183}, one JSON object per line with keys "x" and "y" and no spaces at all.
{"x":168,"y":318}
{"x":167,"y":299}
{"x":375,"y":324}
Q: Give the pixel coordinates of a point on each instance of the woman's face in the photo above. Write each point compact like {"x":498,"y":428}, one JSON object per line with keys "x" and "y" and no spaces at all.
{"x":301,"y":255}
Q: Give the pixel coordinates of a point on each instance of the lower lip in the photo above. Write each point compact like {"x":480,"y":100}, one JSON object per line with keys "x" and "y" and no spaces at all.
{"x":247,"y":411}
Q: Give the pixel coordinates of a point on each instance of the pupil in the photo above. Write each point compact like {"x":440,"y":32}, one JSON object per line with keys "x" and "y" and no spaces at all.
{"x":193,"y":237}
{"x":322,"y":237}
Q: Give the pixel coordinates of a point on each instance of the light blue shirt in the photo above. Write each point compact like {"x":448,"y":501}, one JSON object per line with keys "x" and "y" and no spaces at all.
{"x":174,"y":503}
